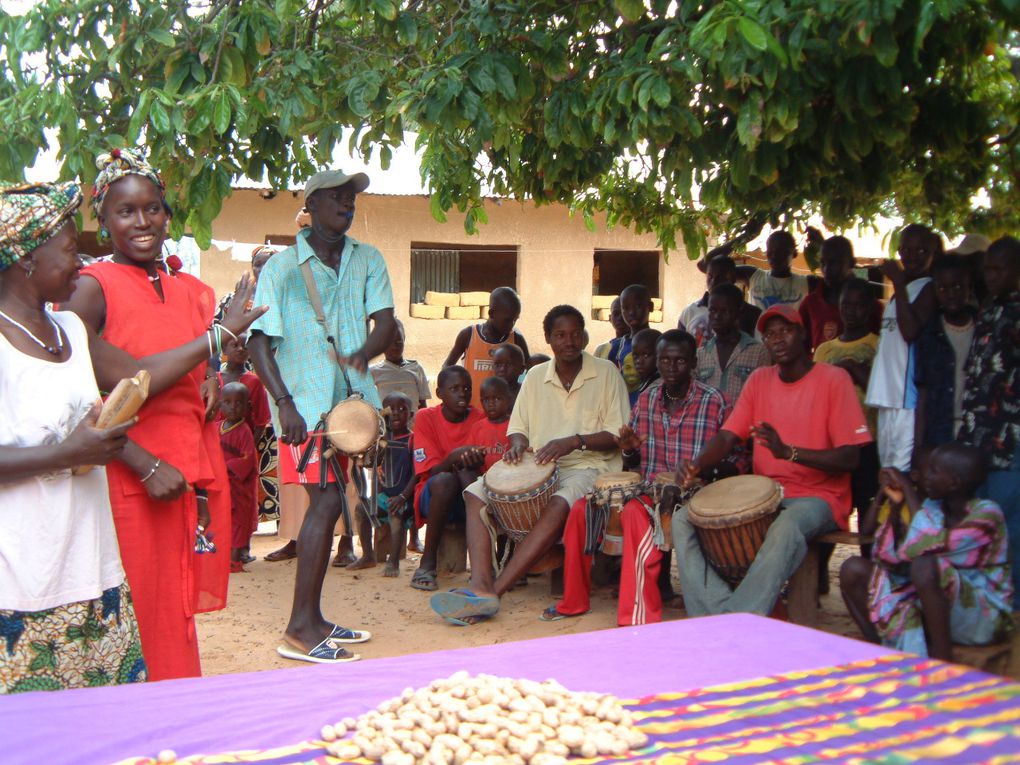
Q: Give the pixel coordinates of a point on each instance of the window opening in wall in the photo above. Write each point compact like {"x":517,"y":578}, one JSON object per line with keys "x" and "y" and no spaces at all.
{"x":281,"y":240}
{"x":612,"y":270}
{"x":459,"y":268}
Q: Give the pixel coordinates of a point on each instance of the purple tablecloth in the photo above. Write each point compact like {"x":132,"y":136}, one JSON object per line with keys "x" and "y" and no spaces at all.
{"x":275,"y":708}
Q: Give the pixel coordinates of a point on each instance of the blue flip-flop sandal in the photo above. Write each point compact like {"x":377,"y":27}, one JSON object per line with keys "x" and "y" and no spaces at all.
{"x":457,"y":604}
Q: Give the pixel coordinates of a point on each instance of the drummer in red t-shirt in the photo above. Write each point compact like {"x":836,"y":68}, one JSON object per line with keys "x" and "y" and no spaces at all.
{"x":445,"y":462}
{"x":808,"y":426}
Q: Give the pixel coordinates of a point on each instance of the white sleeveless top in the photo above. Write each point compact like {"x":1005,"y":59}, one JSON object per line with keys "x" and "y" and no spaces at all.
{"x":892,"y":374}
{"x":58,"y":544}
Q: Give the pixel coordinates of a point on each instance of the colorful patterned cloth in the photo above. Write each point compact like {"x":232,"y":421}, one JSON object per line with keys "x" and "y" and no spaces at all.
{"x":991,"y":404}
{"x":894,"y":709}
{"x":973,"y":572}
{"x":114,"y":166}
{"x":80,"y":645}
{"x":31,"y":214}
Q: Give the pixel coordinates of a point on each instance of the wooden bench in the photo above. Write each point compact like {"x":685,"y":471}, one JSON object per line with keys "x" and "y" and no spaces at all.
{"x":802,"y":597}
{"x":994,"y":658}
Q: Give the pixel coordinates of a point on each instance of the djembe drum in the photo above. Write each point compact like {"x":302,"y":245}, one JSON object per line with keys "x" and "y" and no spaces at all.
{"x":518,"y":493}
{"x":731,"y":518}
{"x":612,"y":491}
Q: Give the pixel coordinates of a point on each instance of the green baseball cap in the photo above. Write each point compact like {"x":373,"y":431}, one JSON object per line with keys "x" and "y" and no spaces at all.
{"x":331,"y":179}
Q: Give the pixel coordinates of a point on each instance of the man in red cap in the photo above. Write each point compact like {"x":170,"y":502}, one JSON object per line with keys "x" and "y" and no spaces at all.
{"x":808,"y":425}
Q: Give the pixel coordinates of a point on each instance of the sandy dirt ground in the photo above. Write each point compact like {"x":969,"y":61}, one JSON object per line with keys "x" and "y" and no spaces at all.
{"x":244,"y":636}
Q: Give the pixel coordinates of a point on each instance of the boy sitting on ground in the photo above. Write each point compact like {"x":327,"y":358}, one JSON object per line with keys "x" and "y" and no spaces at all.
{"x":643,"y":353}
{"x":445,"y":463}
{"x":945,"y":578}
{"x":396,"y":484}
{"x":239,"y":453}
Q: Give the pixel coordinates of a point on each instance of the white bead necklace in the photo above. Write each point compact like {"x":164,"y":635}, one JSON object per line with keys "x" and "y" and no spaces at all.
{"x":55,"y":350}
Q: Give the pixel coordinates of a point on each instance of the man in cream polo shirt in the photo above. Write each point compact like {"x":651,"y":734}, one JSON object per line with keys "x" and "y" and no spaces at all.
{"x":569,"y":411}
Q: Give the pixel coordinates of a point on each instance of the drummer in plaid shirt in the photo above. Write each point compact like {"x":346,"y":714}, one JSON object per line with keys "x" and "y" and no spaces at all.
{"x":669,"y":425}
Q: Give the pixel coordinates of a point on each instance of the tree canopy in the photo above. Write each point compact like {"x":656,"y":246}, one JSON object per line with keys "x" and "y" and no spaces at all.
{"x":682,"y":118}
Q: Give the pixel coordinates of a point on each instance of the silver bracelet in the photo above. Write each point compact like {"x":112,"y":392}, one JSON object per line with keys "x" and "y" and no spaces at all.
{"x":155,"y":467}
{"x":232,"y":335}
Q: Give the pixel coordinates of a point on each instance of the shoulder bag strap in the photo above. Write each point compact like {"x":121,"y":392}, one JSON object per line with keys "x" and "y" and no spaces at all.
{"x":316,"y":301}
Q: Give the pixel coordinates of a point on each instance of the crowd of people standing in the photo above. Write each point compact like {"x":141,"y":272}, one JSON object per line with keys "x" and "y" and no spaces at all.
{"x":904,"y":412}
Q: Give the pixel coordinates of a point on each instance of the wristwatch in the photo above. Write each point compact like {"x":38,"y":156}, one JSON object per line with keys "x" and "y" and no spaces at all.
{"x":583,"y":444}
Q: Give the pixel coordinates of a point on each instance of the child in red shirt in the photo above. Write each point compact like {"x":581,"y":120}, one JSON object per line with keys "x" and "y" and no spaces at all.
{"x":445,"y":463}
{"x":489,"y":434}
{"x":239,"y":453}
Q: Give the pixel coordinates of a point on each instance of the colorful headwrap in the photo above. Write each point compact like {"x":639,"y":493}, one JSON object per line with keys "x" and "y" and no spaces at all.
{"x":114,"y":166}
{"x":264,"y":249}
{"x":31,"y":214}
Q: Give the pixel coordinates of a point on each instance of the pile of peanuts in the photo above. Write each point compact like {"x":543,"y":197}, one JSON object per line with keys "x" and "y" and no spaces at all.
{"x":487,"y":720}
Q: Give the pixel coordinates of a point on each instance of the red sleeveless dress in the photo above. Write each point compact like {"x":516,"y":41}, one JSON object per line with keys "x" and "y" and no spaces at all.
{"x":169,"y":581}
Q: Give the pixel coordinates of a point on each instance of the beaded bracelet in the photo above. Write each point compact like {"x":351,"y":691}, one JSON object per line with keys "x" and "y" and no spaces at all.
{"x":155,"y":467}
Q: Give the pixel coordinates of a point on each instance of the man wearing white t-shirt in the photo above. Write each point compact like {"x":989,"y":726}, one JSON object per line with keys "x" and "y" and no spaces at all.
{"x":891,"y":389}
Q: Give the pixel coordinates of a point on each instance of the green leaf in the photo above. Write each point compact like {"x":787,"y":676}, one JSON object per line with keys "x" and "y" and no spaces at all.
{"x":436,"y":207}
{"x":504,"y":80}
{"x":407,"y":29}
{"x":753,"y":33}
{"x":385,"y":8}
{"x":632,"y":10}
{"x":263,"y":45}
{"x":138,"y":116}
{"x":159,"y":118}
{"x":221,"y":113}
{"x":481,"y":77}
{"x":660,"y":92}
{"x":163,"y":37}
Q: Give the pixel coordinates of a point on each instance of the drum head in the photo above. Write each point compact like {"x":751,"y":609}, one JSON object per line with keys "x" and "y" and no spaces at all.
{"x":617,"y":480}
{"x":734,"y":501}
{"x":353,"y":426}
{"x":667,"y":478}
{"x":506,"y":479}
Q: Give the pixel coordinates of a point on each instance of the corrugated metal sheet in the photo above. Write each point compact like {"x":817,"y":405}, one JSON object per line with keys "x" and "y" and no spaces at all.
{"x":436,"y":270}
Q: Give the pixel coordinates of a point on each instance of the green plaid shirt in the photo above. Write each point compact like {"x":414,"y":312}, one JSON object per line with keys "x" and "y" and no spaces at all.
{"x":349,"y":297}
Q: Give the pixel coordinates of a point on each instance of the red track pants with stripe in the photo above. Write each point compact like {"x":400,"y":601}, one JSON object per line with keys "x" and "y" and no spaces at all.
{"x":640,"y":601}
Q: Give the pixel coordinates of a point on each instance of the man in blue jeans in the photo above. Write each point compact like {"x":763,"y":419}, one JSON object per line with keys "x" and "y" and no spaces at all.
{"x":808,"y":426}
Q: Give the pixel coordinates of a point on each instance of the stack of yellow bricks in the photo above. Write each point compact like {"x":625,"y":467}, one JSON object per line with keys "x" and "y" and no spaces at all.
{"x":452,"y":305}
{"x":600,"y":305}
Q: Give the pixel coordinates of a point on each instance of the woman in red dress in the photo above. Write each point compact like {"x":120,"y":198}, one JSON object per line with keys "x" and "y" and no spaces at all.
{"x":143,"y":310}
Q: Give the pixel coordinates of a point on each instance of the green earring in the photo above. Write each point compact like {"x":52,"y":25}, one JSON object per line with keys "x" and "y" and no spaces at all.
{"x":104,"y":234}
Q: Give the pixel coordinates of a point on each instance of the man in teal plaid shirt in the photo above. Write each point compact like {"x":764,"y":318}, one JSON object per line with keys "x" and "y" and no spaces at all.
{"x":291,"y":353}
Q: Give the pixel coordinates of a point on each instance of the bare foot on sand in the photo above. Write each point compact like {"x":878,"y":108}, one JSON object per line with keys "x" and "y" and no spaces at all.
{"x":415,"y":546}
{"x":344,"y":559}
{"x":392,"y":569}
{"x":366,"y":561}
{"x":286,"y":552}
